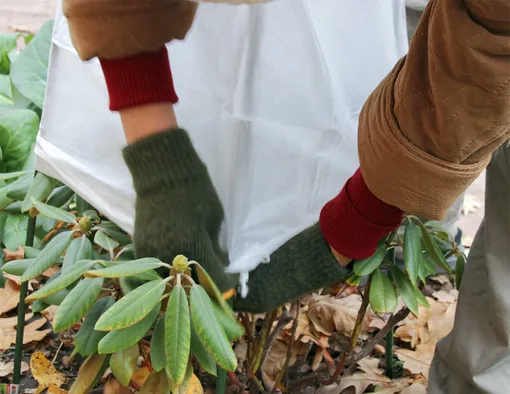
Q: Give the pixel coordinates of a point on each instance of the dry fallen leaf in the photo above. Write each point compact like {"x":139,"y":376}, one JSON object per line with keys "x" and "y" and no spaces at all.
{"x":18,"y":254}
{"x":44,"y":372}
{"x":9,"y":295}
{"x":446,"y":296}
{"x":55,"y":390}
{"x":415,"y":389}
{"x":6,"y":368}
{"x":329,"y":314}
{"x":113,"y":386}
{"x":51,"y":271}
{"x":31,"y":333}
{"x":274,"y":362}
{"x":195,"y":387}
{"x":140,"y":375}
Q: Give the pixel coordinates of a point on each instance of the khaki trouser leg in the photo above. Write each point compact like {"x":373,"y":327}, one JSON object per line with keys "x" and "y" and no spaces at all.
{"x":475,"y":357}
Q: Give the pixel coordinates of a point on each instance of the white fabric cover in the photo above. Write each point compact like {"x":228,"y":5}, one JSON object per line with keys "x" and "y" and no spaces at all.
{"x":270,"y":94}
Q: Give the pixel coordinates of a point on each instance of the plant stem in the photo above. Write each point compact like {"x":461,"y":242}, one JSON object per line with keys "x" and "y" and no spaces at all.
{"x":21,"y":309}
{"x":389,"y":354}
{"x":392,"y":322}
{"x":221,"y":381}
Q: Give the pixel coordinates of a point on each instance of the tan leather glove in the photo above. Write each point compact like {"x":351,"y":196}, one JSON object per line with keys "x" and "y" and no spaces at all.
{"x":113,"y":29}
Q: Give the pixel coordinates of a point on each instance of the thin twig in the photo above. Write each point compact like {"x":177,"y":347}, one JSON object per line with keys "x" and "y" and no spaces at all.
{"x":367,"y":349}
{"x":340,"y":365}
{"x":290,"y":349}
{"x":282,"y":322}
{"x":58,"y":351}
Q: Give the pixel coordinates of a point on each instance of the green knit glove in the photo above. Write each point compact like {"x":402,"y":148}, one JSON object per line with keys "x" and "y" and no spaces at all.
{"x":300,"y":266}
{"x":177,"y":208}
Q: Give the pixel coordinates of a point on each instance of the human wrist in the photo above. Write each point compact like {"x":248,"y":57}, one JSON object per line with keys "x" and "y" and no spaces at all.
{"x":356,"y":220}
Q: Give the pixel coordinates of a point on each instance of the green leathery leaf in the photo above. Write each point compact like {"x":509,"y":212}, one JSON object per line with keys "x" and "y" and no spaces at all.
{"x":17,"y":267}
{"x":105,"y":241}
{"x":126,"y":337}
{"x":79,"y":249}
{"x":30,"y":68}
{"x":123,"y":364}
{"x":15,"y":174}
{"x":427,"y":268}
{"x":39,"y":190}
{"x":18,"y":131}
{"x":56,"y":298}
{"x":459,"y":269}
{"x":126,"y":268}
{"x":22,"y":183}
{"x":369,"y":265}
{"x":18,"y":192}
{"x":62,"y":281}
{"x":432,"y":249}
{"x":77,"y":303}
{"x":39,"y":306}
{"x":87,"y":338}
{"x":31,"y":253}
{"x":420,"y":297}
{"x":353,"y":280}
{"x":60,"y":196}
{"x":156,"y":383}
{"x":210,"y":287}
{"x":209,"y":330}
{"x":412,"y":251}
{"x":406,"y":288}
{"x":113,"y":231}
{"x":88,"y":374}
{"x":183,"y":387}
{"x":133,"y":307}
{"x":48,"y":255}
{"x":205,"y":359}
{"x":157,"y":349}
{"x":230,"y":325}
{"x":177,"y":335}
{"x":383,"y":297}
{"x":54,"y":212}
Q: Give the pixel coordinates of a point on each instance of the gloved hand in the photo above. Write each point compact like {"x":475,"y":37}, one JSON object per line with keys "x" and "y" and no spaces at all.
{"x":177,"y":208}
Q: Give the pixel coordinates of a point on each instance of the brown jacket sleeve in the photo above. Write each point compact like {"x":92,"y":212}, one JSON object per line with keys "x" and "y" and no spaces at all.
{"x":113,"y":29}
{"x":430,"y":127}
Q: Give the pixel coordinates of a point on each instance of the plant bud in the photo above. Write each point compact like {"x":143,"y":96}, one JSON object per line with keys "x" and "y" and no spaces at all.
{"x":85,"y":224}
{"x":180,"y":264}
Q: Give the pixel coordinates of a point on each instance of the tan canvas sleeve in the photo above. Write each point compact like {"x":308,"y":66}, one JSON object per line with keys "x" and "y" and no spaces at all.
{"x":430,"y":127}
{"x":114,"y":29}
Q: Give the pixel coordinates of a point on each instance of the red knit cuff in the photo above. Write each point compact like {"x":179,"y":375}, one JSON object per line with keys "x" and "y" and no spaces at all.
{"x":356,"y":220}
{"x":139,"y":80}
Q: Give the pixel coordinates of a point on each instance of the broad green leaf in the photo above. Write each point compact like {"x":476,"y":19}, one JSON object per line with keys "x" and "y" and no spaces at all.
{"x":31,"y":252}
{"x":427,"y":268}
{"x":92,"y":215}
{"x":39,"y":190}
{"x":406,"y":288}
{"x":433,"y":250}
{"x":206,"y":360}
{"x":122,"y":339}
{"x":80,"y":249}
{"x":18,"y":130}
{"x":113,"y":231}
{"x":46,"y":224}
{"x":183,"y":387}
{"x":369,"y":265}
{"x":128,"y":268}
{"x":146,"y":276}
{"x":210,"y":287}
{"x":157,"y":350}
{"x":15,"y":231}
{"x":18,"y":192}
{"x":29,"y":69}
{"x":412,"y":251}
{"x":123,"y":364}
{"x":39,"y":306}
{"x":209,"y":330}
{"x":420,"y":297}
{"x":57,"y":297}
{"x":77,"y":303}
{"x":133,"y":307}
{"x":230,"y":325}
{"x":54,"y":213}
{"x":127,"y":285}
{"x":60,"y":197}
{"x":6,"y":99}
{"x":7,"y":45}
{"x":105,"y":241}
{"x":82,"y":205}
{"x":157,"y":382}
{"x":48,"y":255}
{"x":383,"y":297}
{"x":88,"y":374}
{"x":17,"y":267}
{"x":62,"y":281}
{"x":177,"y":335}
{"x":6,"y":191}
{"x":15,"y":174}
{"x":87,"y":338}
{"x":459,"y":269}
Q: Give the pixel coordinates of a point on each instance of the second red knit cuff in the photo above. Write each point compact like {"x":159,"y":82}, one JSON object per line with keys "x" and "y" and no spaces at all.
{"x":139,"y":80}
{"x":356,"y":220}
